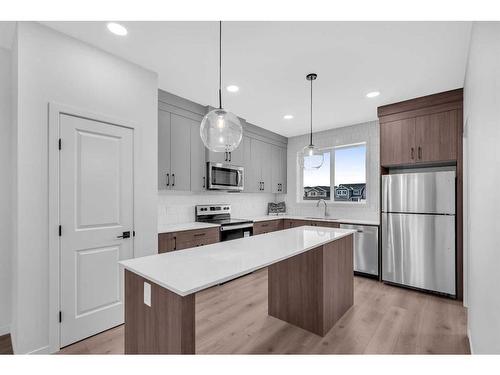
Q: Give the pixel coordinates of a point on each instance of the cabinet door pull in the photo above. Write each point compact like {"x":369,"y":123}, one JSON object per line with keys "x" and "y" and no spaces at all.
{"x":173,"y":179}
{"x":168,"y":179}
{"x":419,"y":152}
{"x":230,"y":155}
{"x":412,"y":154}
{"x":225,"y":156}
{"x":175,"y":243}
{"x":203,"y":182}
{"x":263,"y":185}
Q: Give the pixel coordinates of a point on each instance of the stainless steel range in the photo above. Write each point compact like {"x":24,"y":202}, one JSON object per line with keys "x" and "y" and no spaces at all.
{"x":230,"y":229}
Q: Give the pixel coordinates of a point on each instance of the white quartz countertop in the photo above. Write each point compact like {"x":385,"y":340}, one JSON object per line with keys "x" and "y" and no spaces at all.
{"x":167,"y":228}
{"x":328,"y":219}
{"x":188,"y":271}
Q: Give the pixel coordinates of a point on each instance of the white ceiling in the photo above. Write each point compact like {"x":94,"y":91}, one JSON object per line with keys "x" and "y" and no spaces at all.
{"x":269,"y":62}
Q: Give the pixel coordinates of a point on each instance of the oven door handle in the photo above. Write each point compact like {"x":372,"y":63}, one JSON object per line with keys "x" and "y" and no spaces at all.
{"x":232,"y":227}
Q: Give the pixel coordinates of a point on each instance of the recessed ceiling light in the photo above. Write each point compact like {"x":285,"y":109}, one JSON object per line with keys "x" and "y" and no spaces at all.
{"x":232,"y":88}
{"x":117,"y":29}
{"x":373,"y":94}
{"x":288,"y":117}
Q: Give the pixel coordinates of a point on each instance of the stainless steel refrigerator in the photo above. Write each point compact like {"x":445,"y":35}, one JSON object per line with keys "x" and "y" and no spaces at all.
{"x":418,"y":230}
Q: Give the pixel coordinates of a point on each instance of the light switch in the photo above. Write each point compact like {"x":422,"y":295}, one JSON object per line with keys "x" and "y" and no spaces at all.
{"x":147,"y":294}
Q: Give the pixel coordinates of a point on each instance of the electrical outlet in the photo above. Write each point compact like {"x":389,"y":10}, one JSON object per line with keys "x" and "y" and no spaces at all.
{"x":147,"y":294}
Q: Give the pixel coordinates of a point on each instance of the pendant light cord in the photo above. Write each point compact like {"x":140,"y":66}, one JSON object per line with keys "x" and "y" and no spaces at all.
{"x":220,"y":64}
{"x":311,"y":137}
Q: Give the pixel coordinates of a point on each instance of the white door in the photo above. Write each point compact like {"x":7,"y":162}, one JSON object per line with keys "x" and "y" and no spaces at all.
{"x":96,"y":208}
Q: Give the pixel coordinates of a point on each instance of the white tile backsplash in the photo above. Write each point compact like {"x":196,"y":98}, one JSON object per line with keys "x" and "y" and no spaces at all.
{"x":178,"y":207}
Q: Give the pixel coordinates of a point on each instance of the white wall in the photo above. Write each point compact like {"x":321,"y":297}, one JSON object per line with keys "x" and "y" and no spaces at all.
{"x":365,"y":132}
{"x":178,"y":207}
{"x":5,"y":191}
{"x":482,"y":115}
{"x":53,"y":67}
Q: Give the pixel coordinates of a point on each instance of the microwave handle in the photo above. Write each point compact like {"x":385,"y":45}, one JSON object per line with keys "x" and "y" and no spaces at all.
{"x":238,"y":177}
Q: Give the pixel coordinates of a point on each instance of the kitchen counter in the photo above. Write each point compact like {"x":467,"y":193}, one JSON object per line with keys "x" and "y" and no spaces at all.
{"x":168,"y":228}
{"x":312,"y":264}
{"x":191,"y":270}
{"x":294,"y":217}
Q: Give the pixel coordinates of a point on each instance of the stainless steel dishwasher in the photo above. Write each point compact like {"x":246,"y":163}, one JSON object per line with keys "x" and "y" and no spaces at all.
{"x":365,"y":248}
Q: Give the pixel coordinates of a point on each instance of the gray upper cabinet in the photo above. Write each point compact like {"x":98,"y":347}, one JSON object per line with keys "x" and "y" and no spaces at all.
{"x":182,"y":156}
{"x":198,"y":164}
{"x":266,"y":172}
{"x":284,"y":166}
{"x":276,"y":169}
{"x":260,"y":166}
{"x":235,"y":157}
{"x":278,"y":166}
{"x":174,"y":138}
{"x":251,"y":181}
{"x":163,"y":149}
{"x":215,"y":157}
{"x":180,"y":152}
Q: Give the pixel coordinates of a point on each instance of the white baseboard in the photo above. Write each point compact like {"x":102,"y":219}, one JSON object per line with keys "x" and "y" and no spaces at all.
{"x":4,"y":330}
{"x":470,"y":340}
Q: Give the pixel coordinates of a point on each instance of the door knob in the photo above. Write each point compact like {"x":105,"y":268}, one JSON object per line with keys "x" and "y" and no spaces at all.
{"x":125,"y":235}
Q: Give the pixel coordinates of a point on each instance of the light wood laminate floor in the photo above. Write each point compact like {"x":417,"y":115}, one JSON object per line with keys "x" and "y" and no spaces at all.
{"x":232,"y":318}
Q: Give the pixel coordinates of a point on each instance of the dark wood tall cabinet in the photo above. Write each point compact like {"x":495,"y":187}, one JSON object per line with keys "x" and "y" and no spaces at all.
{"x":423,"y":132}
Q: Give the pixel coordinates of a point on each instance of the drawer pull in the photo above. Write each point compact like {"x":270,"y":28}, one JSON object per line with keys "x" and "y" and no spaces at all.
{"x":199,"y":234}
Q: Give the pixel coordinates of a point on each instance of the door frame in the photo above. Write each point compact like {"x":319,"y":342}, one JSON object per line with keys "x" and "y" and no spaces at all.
{"x":54,"y":112}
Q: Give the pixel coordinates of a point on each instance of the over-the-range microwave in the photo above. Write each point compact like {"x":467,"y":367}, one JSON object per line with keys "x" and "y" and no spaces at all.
{"x":223,"y":176}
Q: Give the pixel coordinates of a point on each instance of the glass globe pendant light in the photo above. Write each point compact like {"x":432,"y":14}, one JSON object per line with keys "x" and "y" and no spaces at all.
{"x":221,"y":130}
{"x":311,"y":157}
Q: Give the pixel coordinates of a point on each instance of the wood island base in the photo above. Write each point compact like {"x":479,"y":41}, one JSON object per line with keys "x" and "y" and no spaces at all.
{"x":311,"y":290}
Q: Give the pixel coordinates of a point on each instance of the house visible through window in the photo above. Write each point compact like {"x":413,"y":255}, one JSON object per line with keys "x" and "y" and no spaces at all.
{"x":341,"y":178}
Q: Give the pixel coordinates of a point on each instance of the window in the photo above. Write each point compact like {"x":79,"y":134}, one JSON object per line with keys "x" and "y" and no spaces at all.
{"x":317,"y":181}
{"x":350,"y":173}
{"x":344,"y":169}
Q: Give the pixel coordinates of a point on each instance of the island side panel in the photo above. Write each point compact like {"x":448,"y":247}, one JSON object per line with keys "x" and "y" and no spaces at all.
{"x":338,"y":274}
{"x":295,"y":290}
{"x":165,"y":327}
{"x":313,"y":290}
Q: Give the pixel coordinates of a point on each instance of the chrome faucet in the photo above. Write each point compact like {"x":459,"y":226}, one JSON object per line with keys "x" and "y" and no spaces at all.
{"x":326,"y":207}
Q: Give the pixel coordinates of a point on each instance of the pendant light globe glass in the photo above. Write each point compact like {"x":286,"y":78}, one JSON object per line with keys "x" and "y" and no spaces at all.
{"x":221,"y":131}
{"x":311,"y":158}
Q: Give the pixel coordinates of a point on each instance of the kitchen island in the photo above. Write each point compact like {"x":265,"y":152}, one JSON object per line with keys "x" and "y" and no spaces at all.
{"x":310,"y":284}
